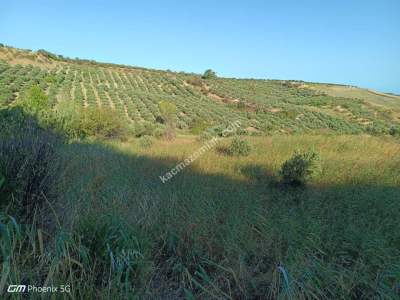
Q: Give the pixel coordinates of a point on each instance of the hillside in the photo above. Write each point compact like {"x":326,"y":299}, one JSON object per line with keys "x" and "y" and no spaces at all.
{"x":263,"y":106}
{"x":102,"y":198}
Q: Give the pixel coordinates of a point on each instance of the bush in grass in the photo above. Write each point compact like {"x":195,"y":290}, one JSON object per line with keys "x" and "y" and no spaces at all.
{"x":300,"y":168}
{"x":239,"y":147}
{"x":145,"y":141}
{"x":35,"y":102}
{"x":101,"y":122}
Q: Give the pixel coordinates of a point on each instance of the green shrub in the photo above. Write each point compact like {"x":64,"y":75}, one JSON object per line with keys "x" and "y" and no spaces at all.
{"x":300,"y":168}
{"x":145,"y":141}
{"x":36,"y":103}
{"x":239,"y":147}
{"x":101,"y":122}
{"x":73,"y":121}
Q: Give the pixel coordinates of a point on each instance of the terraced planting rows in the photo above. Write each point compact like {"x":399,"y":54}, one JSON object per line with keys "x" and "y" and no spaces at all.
{"x":263,"y":106}
{"x":293,"y":99}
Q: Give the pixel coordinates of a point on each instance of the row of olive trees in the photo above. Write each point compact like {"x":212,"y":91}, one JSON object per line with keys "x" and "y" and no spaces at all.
{"x":72,"y":120}
{"x":76,"y":121}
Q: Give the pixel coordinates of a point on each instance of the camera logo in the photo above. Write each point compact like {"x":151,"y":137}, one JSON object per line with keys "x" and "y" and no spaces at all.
{"x":16,"y":288}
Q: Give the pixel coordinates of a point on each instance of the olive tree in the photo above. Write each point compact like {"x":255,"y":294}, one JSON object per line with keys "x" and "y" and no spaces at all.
{"x":209,"y":74}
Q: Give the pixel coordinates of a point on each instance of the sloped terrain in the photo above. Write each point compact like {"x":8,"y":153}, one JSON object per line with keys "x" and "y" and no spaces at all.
{"x":374,"y":97}
{"x":263,"y":106}
{"x":116,"y":213}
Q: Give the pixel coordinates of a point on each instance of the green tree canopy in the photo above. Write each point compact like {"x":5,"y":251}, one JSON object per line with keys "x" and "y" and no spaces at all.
{"x":209,"y":74}
{"x":168,"y":110}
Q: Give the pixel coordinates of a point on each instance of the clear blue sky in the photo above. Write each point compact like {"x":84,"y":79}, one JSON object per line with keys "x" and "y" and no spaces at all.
{"x":352,"y":42}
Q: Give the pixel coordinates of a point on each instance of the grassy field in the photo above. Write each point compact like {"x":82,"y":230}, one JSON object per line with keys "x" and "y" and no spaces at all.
{"x":222,"y":228}
{"x":84,"y":204}
{"x":358,"y":93}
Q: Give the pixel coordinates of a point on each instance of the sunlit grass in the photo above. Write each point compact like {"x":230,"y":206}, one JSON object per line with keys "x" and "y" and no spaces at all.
{"x":345,"y":159}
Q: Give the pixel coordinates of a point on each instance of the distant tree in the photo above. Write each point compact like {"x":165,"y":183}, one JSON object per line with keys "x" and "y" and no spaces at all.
{"x":168,"y":113}
{"x":209,"y":74}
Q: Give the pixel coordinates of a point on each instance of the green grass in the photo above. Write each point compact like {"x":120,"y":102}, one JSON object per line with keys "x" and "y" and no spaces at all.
{"x":95,"y":215}
{"x":386,"y":100}
{"x":222,"y":228}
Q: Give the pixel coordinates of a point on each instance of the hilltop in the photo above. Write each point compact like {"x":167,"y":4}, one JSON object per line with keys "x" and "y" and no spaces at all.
{"x":264,"y":106}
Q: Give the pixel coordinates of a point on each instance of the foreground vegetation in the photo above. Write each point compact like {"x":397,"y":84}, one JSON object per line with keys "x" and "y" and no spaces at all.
{"x":273,"y":216}
{"x":96,"y":215}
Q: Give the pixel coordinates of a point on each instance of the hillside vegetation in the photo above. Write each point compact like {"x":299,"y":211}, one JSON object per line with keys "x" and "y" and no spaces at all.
{"x":278,"y":190}
{"x":264,"y":106}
